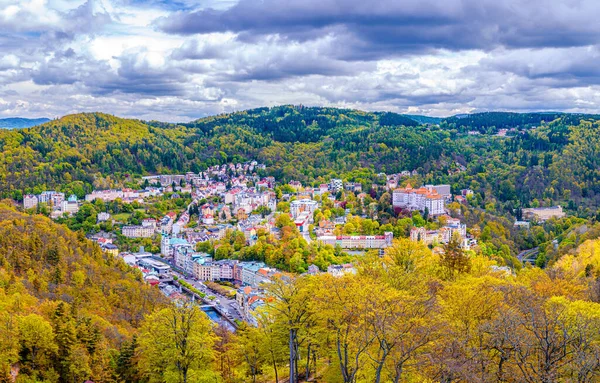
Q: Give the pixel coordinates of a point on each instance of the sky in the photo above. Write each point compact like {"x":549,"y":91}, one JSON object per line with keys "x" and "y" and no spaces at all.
{"x":181,"y":60}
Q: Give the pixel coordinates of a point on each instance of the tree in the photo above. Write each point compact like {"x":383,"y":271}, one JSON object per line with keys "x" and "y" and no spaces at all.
{"x":36,"y":338}
{"x":126,"y":367}
{"x":176,"y":345}
{"x":68,"y":367}
{"x":342,"y":306}
{"x":250,"y":349}
{"x":454,"y":260}
{"x":291,"y":307}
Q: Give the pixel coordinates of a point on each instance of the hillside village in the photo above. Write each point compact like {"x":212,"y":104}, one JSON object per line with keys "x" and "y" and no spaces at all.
{"x":233,"y":198}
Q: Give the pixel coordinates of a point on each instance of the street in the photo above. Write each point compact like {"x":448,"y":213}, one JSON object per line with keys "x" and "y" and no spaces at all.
{"x":227,"y":305}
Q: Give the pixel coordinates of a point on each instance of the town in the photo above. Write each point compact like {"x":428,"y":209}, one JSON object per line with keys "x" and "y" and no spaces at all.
{"x":182,"y":252}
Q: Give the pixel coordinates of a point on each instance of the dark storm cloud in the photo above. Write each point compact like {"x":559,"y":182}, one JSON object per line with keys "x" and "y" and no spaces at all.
{"x":391,"y":27}
{"x":276,"y":64}
{"x":136,"y":76}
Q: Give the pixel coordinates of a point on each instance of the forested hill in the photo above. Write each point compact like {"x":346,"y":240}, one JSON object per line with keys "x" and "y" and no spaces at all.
{"x":555,"y":163}
{"x":16,"y":123}
{"x":303,"y":124}
{"x":66,"y":307}
{"x":90,"y":147}
{"x":492,"y":121}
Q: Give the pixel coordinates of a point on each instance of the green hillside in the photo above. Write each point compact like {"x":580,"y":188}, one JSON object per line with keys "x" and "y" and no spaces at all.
{"x":65,"y":307}
{"x":556,"y":163}
{"x":492,"y":121}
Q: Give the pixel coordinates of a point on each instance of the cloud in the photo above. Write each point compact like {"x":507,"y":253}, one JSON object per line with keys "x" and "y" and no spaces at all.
{"x":389,"y":28}
{"x":558,"y":67}
{"x":173,"y":61}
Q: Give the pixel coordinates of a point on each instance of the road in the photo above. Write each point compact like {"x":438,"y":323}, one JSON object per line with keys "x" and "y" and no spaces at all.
{"x":528,"y":255}
{"x":226,"y":305}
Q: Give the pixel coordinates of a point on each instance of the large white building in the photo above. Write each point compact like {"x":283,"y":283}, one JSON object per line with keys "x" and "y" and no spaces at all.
{"x":419,"y":199}
{"x":105,"y":195}
{"x":303,"y":205}
{"x":214,"y":271}
{"x":358,"y":241}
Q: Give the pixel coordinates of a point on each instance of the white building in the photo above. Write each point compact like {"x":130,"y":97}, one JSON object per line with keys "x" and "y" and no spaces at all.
{"x":104,"y":195}
{"x":358,"y":241}
{"x":137,"y":231}
{"x":70,"y":206}
{"x":149,"y":222}
{"x":52,"y":198}
{"x":303,"y":205}
{"x":30,"y":201}
{"x":336,"y":185}
{"x":419,"y":199}
{"x":340,"y":270}
{"x":443,"y":190}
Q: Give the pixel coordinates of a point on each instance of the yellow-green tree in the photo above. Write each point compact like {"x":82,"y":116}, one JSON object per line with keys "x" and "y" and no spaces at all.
{"x":176,"y":345}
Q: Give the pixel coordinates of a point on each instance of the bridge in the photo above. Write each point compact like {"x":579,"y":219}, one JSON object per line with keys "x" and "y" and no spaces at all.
{"x":529,"y":256}
{"x":206,"y":303}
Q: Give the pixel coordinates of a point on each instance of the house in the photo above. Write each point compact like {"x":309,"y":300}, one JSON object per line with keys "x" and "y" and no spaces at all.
{"x":302,"y":221}
{"x":443,"y":190}
{"x":149,"y":222}
{"x":110,"y":249}
{"x":102,"y":217}
{"x":335,"y":185}
{"x":452,"y":228}
{"x":340,"y":270}
{"x":325,"y":228}
{"x":159,"y":267}
{"x":105,"y":195}
{"x":241,"y":214}
{"x":208,"y":219}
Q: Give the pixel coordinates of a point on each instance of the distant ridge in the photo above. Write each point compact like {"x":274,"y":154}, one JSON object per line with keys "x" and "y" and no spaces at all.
{"x":17,"y":122}
{"x":501,"y":120}
{"x":424,"y":119}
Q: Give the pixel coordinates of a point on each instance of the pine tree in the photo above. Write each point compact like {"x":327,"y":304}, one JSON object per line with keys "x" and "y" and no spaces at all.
{"x":454,"y":259}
